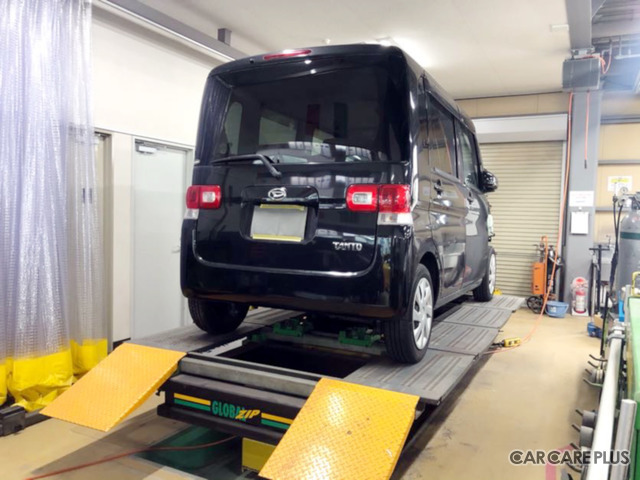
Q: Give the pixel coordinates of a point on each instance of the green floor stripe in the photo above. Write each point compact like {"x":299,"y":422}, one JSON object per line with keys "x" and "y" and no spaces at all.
{"x":271,"y":423}
{"x":206,"y":408}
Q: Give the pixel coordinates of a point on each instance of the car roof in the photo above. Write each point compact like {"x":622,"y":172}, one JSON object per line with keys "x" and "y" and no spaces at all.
{"x":432,"y":86}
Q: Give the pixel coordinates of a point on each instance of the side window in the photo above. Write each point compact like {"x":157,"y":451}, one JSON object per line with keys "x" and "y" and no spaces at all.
{"x":469,"y":158}
{"x":441,"y":138}
{"x":231,"y":134}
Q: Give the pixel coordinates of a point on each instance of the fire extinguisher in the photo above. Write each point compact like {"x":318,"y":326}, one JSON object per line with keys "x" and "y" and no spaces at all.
{"x":579,"y":290}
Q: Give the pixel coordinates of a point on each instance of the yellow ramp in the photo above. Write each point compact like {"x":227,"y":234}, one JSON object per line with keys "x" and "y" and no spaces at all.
{"x":115,"y":387}
{"x":344,"y":431}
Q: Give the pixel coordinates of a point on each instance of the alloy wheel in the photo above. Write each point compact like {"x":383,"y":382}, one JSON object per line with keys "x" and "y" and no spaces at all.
{"x":422,"y":313}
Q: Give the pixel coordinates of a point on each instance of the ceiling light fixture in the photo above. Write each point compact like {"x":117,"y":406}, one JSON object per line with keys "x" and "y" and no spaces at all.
{"x":559,"y":27}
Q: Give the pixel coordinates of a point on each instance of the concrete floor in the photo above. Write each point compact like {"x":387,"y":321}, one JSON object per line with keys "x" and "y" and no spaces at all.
{"x":520,"y":399}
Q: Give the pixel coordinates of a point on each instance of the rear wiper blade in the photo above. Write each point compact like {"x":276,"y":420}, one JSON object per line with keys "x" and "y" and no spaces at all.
{"x":253,"y":156}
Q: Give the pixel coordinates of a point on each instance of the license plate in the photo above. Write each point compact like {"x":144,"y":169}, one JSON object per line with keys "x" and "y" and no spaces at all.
{"x":284,"y":223}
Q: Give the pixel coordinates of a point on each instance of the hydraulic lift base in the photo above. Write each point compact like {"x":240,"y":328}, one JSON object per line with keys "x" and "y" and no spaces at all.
{"x":274,"y":377}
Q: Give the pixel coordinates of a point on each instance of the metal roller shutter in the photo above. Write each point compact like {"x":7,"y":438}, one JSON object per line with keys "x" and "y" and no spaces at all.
{"x":525,"y":207}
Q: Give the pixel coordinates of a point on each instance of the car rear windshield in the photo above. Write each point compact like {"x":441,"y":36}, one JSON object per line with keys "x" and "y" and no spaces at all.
{"x":306,"y":112}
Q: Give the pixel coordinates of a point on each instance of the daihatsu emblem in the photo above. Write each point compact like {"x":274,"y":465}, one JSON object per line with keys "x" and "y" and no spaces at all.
{"x":277,"y":193}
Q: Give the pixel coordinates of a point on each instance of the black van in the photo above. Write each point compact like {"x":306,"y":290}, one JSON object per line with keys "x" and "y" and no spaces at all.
{"x":340,"y":180}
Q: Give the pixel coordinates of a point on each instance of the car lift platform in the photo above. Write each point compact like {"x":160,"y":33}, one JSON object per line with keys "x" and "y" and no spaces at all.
{"x":254,"y":382}
{"x":274,"y":373}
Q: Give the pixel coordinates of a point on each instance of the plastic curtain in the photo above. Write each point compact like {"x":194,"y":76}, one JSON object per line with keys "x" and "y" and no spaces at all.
{"x":52,"y":326}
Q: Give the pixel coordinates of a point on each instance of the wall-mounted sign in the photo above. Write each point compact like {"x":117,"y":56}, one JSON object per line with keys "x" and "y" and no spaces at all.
{"x":615,"y":183}
{"x":580,"y":223}
{"x":581,"y":198}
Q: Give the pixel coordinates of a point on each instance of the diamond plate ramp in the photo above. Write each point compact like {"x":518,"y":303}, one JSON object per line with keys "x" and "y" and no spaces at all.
{"x":115,"y":387}
{"x":344,"y":431}
{"x":431,"y":379}
{"x":479,"y":317}
{"x":507,"y":302}
{"x":456,"y":338}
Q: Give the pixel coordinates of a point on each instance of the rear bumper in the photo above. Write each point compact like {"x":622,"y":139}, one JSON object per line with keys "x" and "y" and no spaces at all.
{"x":380,"y":291}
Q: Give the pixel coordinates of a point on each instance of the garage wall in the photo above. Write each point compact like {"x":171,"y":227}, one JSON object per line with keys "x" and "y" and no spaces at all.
{"x":619,"y":153}
{"x":620,"y":104}
{"x":619,"y":156}
{"x":614,"y":104}
{"x":537,"y":104}
{"x":145,"y":86}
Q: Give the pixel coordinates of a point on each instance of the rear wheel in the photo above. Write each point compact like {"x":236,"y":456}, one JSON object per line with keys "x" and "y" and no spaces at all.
{"x":217,"y":317}
{"x":407,"y":338}
{"x":484,"y":292}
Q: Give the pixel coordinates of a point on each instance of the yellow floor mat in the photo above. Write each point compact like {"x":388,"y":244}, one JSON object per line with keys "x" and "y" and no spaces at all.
{"x":115,"y":387}
{"x":344,"y":431}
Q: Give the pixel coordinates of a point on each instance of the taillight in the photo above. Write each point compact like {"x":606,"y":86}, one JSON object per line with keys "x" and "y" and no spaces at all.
{"x":362,"y":198}
{"x":286,"y":54}
{"x":395,"y":199}
{"x":379,"y":198}
{"x":210,"y":196}
{"x":392,"y":202}
{"x":204,"y":197}
{"x":193,"y":195}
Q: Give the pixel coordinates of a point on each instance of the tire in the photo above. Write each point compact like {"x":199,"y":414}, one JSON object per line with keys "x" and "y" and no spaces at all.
{"x":217,"y":317}
{"x":484,"y":292}
{"x":403,"y":345}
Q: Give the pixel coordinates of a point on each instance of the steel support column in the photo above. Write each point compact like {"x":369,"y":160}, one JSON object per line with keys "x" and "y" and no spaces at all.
{"x":579,"y":14}
{"x":582,"y":178}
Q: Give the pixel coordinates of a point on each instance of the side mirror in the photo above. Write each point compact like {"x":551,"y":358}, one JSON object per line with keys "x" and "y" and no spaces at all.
{"x":489,"y":182}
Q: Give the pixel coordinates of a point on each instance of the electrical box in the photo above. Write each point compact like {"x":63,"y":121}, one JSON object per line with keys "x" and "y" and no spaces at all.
{"x":579,"y":223}
{"x":581,"y":74}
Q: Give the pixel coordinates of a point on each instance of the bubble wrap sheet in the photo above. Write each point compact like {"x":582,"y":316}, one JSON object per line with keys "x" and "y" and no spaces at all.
{"x":51,"y":273}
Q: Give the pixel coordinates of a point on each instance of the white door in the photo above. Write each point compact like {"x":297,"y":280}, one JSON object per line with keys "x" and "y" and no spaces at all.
{"x":159,"y":184}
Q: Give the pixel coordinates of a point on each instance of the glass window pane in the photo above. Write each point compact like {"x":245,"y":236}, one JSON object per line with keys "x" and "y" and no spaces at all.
{"x":441,"y":138}
{"x":469,"y":163}
{"x":339,"y":114}
{"x":276,"y":128}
